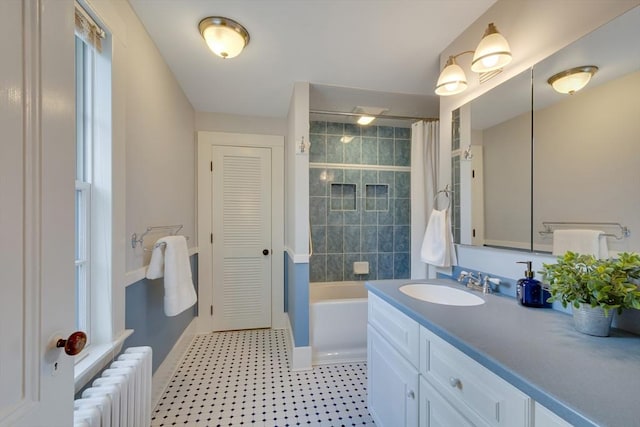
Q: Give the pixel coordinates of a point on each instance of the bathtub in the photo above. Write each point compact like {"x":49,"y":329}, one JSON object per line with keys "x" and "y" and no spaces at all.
{"x":338,"y":322}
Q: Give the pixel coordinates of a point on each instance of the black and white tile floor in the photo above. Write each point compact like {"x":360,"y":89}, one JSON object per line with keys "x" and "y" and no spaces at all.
{"x":242,"y":378}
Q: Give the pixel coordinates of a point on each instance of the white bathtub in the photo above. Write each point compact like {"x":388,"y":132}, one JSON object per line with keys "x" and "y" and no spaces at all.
{"x":338,"y":322}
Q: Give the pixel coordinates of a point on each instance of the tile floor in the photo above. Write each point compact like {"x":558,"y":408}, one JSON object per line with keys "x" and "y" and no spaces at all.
{"x":242,"y":378}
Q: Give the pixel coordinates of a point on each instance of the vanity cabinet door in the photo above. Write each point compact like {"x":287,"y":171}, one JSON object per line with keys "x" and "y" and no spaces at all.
{"x":545,"y":418}
{"x":392,"y":384}
{"x":435,"y":411}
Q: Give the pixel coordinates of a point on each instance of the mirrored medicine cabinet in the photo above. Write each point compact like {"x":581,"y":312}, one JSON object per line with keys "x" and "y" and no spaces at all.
{"x":531,"y":159}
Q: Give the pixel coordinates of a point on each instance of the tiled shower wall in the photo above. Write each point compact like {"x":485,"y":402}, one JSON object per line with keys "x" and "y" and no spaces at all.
{"x":360,"y":206}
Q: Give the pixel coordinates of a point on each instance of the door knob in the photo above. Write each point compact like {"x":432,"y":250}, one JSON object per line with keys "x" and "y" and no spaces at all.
{"x":74,"y":344}
{"x":265,"y":252}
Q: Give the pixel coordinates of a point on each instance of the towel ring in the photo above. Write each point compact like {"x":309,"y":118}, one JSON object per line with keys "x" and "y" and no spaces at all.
{"x":446,"y":192}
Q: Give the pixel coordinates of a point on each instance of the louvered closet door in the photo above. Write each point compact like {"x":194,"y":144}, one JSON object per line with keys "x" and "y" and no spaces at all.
{"x":241,"y":238}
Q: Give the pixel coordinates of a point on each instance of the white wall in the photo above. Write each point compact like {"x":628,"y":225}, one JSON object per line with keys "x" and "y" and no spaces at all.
{"x":159,"y":137}
{"x":535,"y":29}
{"x":219,"y":122}
{"x":297,"y":176}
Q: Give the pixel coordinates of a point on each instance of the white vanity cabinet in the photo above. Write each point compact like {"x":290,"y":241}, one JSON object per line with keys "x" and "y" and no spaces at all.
{"x":392,"y":363}
{"x":417,"y":379}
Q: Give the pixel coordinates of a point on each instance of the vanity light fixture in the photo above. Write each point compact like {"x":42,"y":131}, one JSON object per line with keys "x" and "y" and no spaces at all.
{"x":493,"y":52}
{"x":225,"y":37}
{"x":572,"y":80}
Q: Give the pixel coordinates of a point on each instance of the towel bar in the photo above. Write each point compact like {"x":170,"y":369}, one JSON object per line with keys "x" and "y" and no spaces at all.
{"x":135,"y":239}
{"x":624,"y":230}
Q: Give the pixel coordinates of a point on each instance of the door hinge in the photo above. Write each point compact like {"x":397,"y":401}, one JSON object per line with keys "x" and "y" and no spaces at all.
{"x":473,"y":173}
{"x":211,"y":238}
{"x":474,"y":232}
{"x":211,"y":310}
{"x":211,"y":165}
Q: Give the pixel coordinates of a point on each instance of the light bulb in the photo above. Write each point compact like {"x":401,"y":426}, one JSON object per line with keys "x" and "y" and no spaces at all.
{"x":490,"y":61}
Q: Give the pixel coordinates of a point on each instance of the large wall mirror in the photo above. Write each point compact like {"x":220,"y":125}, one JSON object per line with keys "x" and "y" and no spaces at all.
{"x":584,"y":148}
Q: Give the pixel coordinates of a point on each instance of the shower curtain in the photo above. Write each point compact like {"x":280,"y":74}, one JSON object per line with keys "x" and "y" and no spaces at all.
{"x":425,"y":145}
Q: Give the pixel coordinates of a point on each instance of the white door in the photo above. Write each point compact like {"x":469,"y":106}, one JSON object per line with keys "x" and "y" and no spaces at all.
{"x":241,"y":215}
{"x":36,"y":211}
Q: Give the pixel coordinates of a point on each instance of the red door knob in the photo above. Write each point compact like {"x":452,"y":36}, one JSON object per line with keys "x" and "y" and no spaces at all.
{"x":74,"y":344}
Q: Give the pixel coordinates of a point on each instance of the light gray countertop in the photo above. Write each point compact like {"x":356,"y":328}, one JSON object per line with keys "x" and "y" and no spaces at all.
{"x":588,"y":381}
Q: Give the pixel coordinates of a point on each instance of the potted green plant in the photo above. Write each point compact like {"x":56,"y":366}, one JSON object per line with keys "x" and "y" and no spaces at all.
{"x":594,"y":287}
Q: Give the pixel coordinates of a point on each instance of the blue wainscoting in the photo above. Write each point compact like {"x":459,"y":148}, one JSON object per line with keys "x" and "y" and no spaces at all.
{"x":145,"y":315}
{"x":297,"y":299}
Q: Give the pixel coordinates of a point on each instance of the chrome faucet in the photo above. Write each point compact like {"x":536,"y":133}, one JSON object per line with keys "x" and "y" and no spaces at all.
{"x":478,"y":282}
{"x":473,"y":282}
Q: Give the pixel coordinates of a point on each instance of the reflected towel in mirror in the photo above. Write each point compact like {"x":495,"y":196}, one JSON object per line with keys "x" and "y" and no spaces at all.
{"x":587,"y":242}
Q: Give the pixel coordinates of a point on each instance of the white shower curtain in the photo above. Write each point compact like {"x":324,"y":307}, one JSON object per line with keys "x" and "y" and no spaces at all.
{"x":425,"y":145}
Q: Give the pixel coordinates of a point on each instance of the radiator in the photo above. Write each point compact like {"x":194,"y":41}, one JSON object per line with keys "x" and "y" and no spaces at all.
{"x":121,"y":396}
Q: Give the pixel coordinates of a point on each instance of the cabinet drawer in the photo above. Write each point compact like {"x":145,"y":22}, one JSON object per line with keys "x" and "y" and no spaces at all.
{"x":396,"y":327}
{"x":470,"y":387}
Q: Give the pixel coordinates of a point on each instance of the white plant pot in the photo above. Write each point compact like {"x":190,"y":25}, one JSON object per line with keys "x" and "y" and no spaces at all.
{"x":592,"y":321}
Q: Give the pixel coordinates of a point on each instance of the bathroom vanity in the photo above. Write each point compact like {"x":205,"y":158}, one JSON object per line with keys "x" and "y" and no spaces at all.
{"x":495,"y":364}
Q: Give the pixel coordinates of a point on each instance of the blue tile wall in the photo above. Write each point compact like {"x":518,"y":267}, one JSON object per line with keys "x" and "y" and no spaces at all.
{"x":378,"y":228}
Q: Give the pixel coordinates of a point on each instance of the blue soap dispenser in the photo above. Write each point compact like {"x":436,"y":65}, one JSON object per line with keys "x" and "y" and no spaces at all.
{"x":529,"y":290}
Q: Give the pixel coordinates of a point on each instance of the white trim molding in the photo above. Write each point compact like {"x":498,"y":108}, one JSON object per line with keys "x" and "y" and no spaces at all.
{"x":299,"y":357}
{"x":297,"y":258}
{"x":166,"y":370}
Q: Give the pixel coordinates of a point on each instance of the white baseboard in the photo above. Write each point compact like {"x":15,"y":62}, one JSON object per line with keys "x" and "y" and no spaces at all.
{"x":280,"y":321}
{"x":164,"y":373}
{"x":300,"y":357}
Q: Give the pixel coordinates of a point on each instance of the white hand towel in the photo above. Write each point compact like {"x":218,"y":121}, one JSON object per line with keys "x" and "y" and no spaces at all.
{"x":179,"y":292}
{"x":155,"y":270}
{"x":587,"y":242}
{"x":437,"y":245}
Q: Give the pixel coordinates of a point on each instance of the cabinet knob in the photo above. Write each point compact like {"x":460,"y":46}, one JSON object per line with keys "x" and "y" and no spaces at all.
{"x":411,"y":394}
{"x":455,"y":382}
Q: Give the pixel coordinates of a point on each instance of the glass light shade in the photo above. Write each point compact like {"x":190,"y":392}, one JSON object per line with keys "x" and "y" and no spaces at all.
{"x":452,"y":79}
{"x":225,"y":37}
{"x":492,"y":53}
{"x":571,"y":81}
{"x":365,"y":120}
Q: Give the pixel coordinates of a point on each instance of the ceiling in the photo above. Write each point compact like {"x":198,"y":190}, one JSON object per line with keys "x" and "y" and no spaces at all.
{"x":377,"y":53}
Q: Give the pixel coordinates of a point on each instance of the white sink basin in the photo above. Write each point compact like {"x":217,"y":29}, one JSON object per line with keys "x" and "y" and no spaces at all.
{"x":439,"y":294}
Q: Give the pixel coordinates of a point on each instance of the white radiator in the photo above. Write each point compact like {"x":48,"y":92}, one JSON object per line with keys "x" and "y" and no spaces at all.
{"x":121,"y":397}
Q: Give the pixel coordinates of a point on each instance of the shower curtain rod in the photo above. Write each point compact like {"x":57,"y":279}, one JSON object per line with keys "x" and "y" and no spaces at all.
{"x":377,"y":116}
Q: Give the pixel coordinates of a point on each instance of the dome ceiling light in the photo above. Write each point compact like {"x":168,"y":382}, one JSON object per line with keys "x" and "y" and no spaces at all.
{"x":225,"y":37}
{"x":572,"y":80}
{"x":493,"y":53}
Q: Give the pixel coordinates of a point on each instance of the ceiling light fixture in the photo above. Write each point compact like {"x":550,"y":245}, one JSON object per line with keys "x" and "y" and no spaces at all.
{"x":365,"y":120}
{"x":572,"y":80}
{"x":368,"y":114}
{"x":225,"y":37}
{"x":493,"y":52}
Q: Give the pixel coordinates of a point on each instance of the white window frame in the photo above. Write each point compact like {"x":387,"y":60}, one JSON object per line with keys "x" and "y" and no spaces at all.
{"x":106,"y":219}
{"x":84,"y":132}
{"x":83,"y":257}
